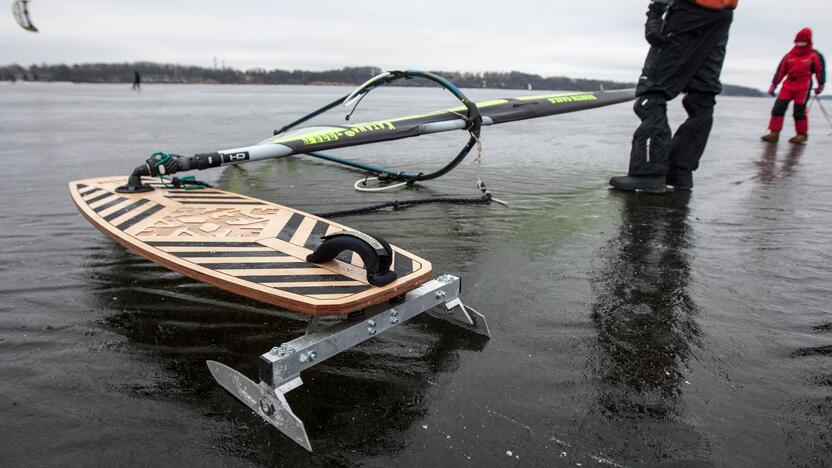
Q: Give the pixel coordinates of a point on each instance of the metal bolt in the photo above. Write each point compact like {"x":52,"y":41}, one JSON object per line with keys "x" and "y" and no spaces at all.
{"x":282,"y":350}
{"x":266,"y":407}
{"x":394,"y":313}
{"x":445,"y":278}
{"x":308,"y":357}
{"x":394,"y":320}
{"x":371,"y":323}
{"x":440,"y":294}
{"x":371,"y":330}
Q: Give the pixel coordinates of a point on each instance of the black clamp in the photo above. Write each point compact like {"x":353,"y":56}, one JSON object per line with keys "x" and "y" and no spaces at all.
{"x":165,"y":164}
{"x":374,"y":251}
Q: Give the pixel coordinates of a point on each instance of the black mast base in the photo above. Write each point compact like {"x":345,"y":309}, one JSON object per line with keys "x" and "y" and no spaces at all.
{"x":134,"y":182}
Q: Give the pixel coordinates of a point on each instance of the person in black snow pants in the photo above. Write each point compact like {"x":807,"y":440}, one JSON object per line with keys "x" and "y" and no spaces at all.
{"x":688,"y":40}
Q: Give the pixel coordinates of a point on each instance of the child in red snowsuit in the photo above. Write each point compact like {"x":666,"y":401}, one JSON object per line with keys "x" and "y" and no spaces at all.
{"x":797,"y":67}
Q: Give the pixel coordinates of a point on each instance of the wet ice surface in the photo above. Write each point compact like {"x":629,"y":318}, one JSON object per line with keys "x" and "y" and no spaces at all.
{"x":626,"y":329}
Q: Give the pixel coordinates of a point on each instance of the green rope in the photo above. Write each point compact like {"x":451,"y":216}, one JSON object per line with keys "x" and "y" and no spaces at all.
{"x":195,"y":185}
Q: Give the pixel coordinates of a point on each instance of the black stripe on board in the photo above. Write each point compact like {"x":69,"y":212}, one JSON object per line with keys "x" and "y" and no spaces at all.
{"x":244,"y":253}
{"x":109,"y":204}
{"x":291,"y":226}
{"x":314,"y":239}
{"x":97,"y":198}
{"x":139,"y":217}
{"x":402,"y":264}
{"x":259,"y":265}
{"x":204,"y":197}
{"x":85,"y":190}
{"x":293,"y":278}
{"x":315,"y":290}
{"x":192,"y":202}
{"x":126,"y":209}
{"x":202,"y":244}
{"x":194,"y":192}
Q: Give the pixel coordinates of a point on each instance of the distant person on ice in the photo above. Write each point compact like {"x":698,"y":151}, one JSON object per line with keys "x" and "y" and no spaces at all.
{"x":797,"y":67}
{"x":688,"y":39}
{"x":137,"y":81}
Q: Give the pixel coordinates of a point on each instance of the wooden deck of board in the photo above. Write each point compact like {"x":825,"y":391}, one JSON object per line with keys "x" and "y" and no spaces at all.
{"x":247,"y":246}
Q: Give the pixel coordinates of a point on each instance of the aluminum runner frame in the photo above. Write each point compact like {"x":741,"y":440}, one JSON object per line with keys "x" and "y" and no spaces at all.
{"x":280,"y":368}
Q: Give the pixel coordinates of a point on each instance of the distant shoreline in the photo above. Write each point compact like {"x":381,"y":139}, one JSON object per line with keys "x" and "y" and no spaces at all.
{"x":156,"y":73}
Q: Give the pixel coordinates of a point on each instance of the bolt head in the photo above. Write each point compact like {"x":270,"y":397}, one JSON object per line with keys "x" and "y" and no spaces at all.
{"x":266,"y":407}
{"x":394,"y":320}
{"x":371,"y":331}
{"x":440,"y":294}
{"x":276,"y":350}
{"x":394,"y":313}
{"x":371,"y":323}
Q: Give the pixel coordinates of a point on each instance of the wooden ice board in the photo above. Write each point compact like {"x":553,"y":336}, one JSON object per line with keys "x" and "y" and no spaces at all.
{"x":241,"y":244}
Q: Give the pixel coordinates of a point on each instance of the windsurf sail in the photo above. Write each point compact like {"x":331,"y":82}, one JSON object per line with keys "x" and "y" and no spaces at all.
{"x":20,"y":10}
{"x":312,"y":140}
{"x":494,"y":112}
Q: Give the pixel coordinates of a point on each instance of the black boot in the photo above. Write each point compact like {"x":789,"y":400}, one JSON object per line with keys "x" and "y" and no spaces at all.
{"x":680,"y":179}
{"x":644,"y":183}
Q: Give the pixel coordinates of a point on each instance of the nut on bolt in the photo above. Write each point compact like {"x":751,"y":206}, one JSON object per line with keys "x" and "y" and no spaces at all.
{"x":308,"y":357}
{"x":282,"y":350}
{"x":440,"y":294}
{"x":266,"y":407}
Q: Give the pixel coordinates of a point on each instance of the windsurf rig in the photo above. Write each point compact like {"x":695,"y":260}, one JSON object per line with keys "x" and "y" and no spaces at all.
{"x":316,"y":141}
{"x":20,"y":10}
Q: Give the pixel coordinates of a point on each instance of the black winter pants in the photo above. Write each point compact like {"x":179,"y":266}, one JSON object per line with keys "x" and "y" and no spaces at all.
{"x":690,"y":62}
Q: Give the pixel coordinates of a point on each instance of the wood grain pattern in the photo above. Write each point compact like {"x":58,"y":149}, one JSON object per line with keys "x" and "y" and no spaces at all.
{"x":247,"y":246}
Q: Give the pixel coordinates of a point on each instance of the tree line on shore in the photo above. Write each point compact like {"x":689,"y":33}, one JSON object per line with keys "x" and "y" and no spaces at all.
{"x":169,"y":73}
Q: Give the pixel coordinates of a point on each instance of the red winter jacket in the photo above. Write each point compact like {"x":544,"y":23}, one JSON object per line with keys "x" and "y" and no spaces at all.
{"x":800,"y":63}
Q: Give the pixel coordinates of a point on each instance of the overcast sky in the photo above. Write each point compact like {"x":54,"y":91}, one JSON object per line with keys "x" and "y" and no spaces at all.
{"x":588,"y":38}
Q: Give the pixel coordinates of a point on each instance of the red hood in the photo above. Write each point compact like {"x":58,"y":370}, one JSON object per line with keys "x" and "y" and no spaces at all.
{"x":805,"y":35}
